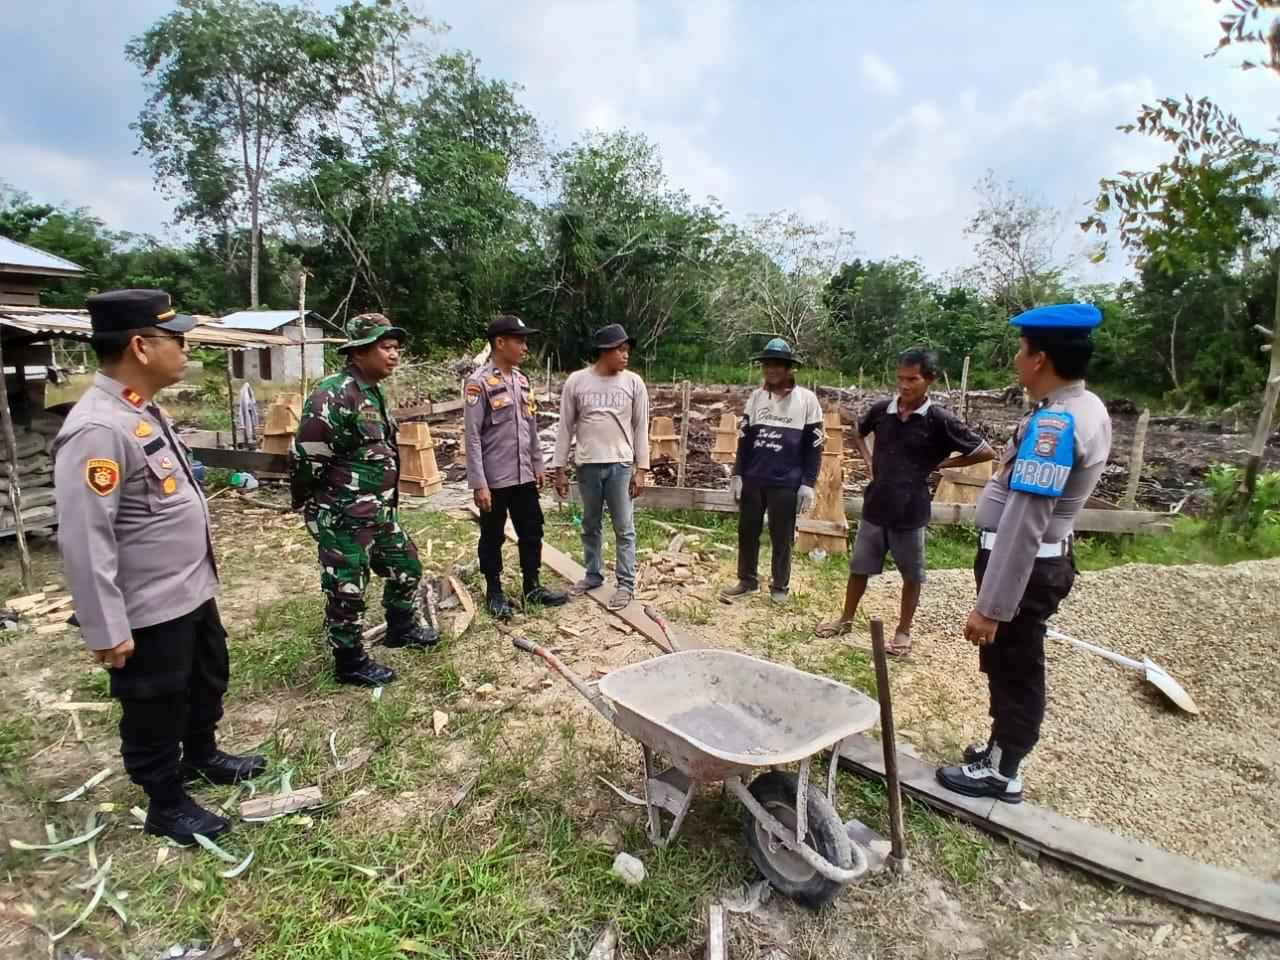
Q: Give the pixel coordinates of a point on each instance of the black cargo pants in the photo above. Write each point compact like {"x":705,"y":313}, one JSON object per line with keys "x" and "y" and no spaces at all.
{"x":170,"y":692}
{"x":521,"y":502}
{"x":1014,"y":662}
{"x":780,"y":503}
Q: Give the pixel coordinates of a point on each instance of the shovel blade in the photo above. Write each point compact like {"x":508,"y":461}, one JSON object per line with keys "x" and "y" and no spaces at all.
{"x":1170,"y":687}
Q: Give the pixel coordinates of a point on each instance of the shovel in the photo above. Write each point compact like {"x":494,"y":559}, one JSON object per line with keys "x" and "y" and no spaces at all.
{"x":1154,"y":672}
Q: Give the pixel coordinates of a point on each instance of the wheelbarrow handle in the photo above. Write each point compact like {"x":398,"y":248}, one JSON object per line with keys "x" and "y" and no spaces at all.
{"x":559,"y":666}
{"x":525,"y":644}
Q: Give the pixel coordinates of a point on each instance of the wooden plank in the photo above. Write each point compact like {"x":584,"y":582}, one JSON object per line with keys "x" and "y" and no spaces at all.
{"x":425,"y":410}
{"x":944,"y":514}
{"x":564,"y":566}
{"x":249,"y":460}
{"x":1135,"y":459}
{"x":717,"y":946}
{"x":1212,"y":890}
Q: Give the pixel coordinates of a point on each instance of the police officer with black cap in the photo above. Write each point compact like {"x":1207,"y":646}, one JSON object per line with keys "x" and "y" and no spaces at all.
{"x":1025,"y":515}
{"x":134,"y":537}
{"x":505,"y":469}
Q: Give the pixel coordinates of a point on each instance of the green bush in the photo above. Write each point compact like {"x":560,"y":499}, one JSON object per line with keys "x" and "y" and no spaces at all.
{"x":1258,"y":520}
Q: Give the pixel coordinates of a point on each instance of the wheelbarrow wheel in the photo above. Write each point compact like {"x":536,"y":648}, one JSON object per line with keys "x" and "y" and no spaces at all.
{"x":785,"y":870}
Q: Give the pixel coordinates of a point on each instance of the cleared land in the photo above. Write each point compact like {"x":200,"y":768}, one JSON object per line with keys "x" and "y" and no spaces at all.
{"x":521,"y":867}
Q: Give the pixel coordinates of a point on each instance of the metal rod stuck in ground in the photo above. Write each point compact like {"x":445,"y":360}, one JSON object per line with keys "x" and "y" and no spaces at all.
{"x":897,"y":833}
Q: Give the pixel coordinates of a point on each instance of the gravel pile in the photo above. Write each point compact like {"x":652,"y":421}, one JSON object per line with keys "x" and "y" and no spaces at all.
{"x":1113,"y":751}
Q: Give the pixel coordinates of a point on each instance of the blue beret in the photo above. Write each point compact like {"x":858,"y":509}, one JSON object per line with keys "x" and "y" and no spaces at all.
{"x":1076,"y":318}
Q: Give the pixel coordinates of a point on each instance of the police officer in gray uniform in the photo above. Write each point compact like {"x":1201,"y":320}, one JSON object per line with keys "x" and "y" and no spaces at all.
{"x":1025,"y":566}
{"x":504,"y":464}
{"x":134,"y":537}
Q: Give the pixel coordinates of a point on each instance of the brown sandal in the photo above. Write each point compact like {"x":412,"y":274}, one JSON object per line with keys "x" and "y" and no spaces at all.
{"x":833,"y":628}
{"x":901,"y":645}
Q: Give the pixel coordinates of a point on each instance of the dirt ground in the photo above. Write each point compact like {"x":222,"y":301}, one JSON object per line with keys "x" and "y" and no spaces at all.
{"x":1113,"y":753}
{"x":1179,"y":449}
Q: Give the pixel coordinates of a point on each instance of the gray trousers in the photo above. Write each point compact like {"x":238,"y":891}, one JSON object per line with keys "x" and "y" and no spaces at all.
{"x":600,"y":484}
{"x":780,"y":504}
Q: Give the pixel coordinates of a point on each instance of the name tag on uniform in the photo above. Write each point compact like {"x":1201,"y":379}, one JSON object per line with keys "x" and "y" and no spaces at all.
{"x":1046,"y":454}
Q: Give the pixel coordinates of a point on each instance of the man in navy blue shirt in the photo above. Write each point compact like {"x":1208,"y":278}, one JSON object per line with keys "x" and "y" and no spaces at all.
{"x":914,"y":437}
{"x":779,"y":454}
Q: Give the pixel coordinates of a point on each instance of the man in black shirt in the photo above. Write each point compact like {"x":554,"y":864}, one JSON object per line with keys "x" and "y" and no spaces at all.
{"x":914,"y":437}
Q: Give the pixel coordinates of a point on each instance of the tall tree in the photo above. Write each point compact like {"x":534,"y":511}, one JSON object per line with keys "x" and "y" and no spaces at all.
{"x":232,"y":86}
{"x":776,"y":284}
{"x":1197,"y":207}
{"x":1015,"y":240}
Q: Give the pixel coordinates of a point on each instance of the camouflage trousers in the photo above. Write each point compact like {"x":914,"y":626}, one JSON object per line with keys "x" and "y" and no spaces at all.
{"x":349,"y":548}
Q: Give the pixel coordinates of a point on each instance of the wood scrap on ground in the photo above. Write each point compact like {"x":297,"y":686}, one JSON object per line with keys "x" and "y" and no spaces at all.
{"x":455,"y":799}
{"x":572,"y":571}
{"x":281,"y":803}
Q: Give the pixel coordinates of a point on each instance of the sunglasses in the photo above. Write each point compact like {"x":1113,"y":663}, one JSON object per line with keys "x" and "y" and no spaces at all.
{"x":180,"y":338}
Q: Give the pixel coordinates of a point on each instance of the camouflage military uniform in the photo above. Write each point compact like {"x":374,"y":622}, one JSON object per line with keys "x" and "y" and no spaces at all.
{"x":344,"y":477}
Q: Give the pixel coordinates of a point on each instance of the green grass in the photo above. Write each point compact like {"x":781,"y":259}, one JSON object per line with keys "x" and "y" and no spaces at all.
{"x":1191,"y":541}
{"x":18,"y":734}
{"x":282,"y":638}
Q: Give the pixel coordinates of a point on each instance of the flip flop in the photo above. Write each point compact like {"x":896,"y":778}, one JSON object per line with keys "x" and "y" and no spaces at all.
{"x":835,"y":628}
{"x":901,"y":645}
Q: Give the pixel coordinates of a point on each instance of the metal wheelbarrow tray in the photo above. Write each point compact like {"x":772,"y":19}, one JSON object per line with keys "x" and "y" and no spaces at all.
{"x":720,"y":715}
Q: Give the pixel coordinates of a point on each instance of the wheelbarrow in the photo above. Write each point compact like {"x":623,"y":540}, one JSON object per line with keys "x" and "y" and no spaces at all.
{"x":717,"y":715}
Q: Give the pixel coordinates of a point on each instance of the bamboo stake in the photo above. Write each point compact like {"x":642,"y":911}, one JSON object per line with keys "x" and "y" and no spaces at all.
{"x":302,"y":328}
{"x":964,"y":390}
{"x":684,"y":433}
{"x":231,"y":404}
{"x":15,"y":496}
{"x":1135,"y":459}
{"x":1270,"y":396}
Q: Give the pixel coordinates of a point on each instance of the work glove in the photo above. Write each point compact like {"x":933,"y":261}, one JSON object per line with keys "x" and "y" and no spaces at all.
{"x":804,"y":499}
{"x":735,"y":488}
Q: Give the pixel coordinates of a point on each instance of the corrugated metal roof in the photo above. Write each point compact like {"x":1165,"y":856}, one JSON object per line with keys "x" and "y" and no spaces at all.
{"x":74,"y":324}
{"x":262,"y":319}
{"x":19,"y":256}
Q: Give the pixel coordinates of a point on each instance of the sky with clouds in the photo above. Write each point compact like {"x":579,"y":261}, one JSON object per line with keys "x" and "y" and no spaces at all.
{"x":876,"y":117}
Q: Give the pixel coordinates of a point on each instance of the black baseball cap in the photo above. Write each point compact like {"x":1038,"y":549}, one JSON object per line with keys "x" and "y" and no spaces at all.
{"x":614,"y":335}
{"x":122,"y":310}
{"x":509,"y":325}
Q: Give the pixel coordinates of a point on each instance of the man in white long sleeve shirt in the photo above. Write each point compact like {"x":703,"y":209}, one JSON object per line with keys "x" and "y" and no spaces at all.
{"x":606,"y":407}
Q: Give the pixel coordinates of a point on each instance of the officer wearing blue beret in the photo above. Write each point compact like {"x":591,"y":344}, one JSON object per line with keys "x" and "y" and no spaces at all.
{"x":1025,"y":516}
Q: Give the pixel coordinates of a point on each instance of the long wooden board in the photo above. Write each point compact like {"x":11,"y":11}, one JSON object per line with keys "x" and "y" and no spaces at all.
{"x":944,"y":514}
{"x":428,"y":410}
{"x":250,"y":460}
{"x":1213,"y":890}
{"x":565,"y":566}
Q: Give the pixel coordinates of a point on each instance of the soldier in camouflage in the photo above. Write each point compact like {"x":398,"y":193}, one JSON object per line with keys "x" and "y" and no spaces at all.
{"x":345,"y":470}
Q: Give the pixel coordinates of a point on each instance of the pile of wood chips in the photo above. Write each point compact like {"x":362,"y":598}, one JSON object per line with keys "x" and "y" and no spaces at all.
{"x":675,"y":568}
{"x":47,"y":610}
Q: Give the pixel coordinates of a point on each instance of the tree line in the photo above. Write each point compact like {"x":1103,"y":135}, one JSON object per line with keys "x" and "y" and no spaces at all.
{"x":357,"y":147}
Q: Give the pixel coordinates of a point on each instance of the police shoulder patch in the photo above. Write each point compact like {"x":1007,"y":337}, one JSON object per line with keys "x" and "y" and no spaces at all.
{"x":102,"y":475}
{"x":1045,"y":455}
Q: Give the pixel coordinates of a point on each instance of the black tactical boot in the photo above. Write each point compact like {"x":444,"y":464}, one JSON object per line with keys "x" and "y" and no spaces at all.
{"x":355,"y":667}
{"x":537,"y":593}
{"x":989,"y":777}
{"x":225,"y":768}
{"x":179,"y":818}
{"x":406,"y":631}
{"x":499,"y":606}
